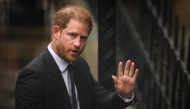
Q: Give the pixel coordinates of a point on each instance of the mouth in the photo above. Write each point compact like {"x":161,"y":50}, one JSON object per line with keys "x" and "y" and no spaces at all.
{"x":75,"y":52}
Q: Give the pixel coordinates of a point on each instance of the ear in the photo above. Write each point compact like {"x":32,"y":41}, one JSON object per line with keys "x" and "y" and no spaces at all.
{"x":56,"y":32}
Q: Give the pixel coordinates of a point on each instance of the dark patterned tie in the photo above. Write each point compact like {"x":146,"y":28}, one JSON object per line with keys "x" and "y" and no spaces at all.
{"x":71,"y":72}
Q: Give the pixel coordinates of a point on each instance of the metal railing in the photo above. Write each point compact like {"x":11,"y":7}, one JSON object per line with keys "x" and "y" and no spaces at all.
{"x":149,"y":34}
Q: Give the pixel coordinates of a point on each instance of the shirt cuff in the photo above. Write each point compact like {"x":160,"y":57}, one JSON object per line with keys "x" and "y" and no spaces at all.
{"x":127,"y":100}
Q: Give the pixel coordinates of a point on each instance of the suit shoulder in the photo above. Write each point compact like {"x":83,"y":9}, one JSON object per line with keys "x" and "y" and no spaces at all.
{"x":36,"y":63}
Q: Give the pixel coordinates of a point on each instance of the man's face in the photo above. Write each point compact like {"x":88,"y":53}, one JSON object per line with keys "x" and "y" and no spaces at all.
{"x":70,"y":42}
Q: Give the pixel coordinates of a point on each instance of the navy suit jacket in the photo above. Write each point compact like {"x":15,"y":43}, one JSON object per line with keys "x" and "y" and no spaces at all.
{"x":40,"y":85}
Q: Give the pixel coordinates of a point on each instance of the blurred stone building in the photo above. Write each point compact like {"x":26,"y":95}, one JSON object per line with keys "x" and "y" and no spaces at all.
{"x":25,"y":31}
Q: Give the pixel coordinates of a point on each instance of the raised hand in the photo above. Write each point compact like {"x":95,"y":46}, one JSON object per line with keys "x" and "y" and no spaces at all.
{"x":126,"y":80}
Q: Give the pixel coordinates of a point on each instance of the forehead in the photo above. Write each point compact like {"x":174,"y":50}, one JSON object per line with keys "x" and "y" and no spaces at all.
{"x":78,"y":26}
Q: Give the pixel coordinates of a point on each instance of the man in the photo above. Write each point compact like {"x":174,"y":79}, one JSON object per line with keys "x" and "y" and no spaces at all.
{"x":45,"y":83}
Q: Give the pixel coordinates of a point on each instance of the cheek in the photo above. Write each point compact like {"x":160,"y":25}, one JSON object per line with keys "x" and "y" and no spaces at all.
{"x":83,"y":46}
{"x":59,"y":43}
{"x":60,"y":39}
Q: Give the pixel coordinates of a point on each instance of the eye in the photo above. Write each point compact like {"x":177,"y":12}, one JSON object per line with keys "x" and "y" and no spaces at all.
{"x":83,"y":38}
{"x":72,"y":34}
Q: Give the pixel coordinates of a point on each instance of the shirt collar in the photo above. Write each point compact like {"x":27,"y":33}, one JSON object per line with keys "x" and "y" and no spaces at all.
{"x":60,"y":62}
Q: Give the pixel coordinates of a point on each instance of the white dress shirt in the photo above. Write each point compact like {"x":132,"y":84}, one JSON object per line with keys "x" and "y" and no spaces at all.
{"x":63,"y":68}
{"x":64,"y":71}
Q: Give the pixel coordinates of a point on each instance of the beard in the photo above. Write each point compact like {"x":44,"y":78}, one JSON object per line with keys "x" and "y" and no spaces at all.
{"x":64,"y":52}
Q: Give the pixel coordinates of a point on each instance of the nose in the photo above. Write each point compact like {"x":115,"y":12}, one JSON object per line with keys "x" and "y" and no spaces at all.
{"x":77,"y":42}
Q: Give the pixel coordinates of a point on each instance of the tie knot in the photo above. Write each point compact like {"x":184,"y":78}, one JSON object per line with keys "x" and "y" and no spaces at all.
{"x":69,"y":66}
{"x":70,"y":69}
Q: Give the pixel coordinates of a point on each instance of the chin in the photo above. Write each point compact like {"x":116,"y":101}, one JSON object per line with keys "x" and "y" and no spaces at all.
{"x":71,"y":59}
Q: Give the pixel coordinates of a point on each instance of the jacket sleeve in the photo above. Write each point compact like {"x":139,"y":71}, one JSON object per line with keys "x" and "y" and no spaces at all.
{"x":28,"y":91}
{"x":102,"y":99}
{"x":108,"y":100}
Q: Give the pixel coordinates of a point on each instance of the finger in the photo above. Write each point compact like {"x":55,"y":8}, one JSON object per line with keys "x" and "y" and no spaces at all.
{"x":127,"y":66}
{"x":132,"y":69}
{"x":136,"y":74}
{"x":120,"y":69}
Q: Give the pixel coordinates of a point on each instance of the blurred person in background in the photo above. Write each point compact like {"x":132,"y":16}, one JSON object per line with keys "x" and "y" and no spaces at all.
{"x":46,"y":82}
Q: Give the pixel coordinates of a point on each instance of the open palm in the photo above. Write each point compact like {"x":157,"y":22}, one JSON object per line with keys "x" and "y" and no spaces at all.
{"x":126,"y":80}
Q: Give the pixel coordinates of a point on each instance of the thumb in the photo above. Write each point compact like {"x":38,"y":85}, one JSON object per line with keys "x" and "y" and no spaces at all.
{"x":114,"y":79}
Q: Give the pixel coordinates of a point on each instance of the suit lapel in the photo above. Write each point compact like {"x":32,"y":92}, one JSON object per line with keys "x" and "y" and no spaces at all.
{"x":58,"y":79}
{"x":79,"y":81}
{"x":63,"y":91}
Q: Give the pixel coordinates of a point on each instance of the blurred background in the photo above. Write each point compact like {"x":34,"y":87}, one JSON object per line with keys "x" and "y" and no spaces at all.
{"x":155,"y":34}
{"x":25,"y":31}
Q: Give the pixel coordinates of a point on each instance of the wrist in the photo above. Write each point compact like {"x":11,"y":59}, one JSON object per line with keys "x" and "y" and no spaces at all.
{"x":131,"y":97}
